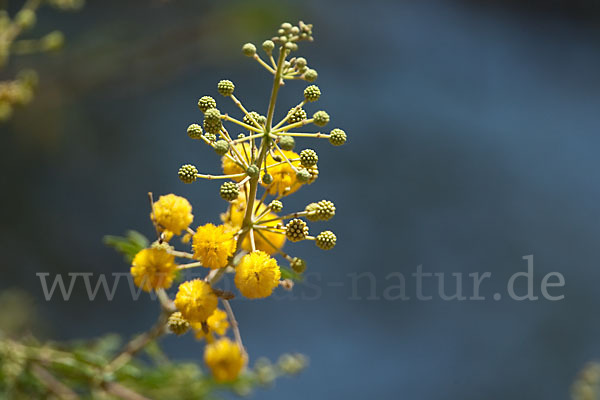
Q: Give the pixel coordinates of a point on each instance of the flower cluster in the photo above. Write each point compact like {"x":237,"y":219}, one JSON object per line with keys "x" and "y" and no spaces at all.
{"x":249,"y":241}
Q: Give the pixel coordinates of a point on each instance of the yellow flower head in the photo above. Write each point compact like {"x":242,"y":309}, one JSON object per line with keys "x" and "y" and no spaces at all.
{"x":196,"y":300}
{"x":225,"y":359}
{"x":172,"y":213}
{"x":213,"y":245}
{"x":153,"y":269}
{"x":217,"y":324}
{"x":257,"y":275}
{"x":284,"y":177}
{"x":230,"y":167}
{"x":235,"y":216}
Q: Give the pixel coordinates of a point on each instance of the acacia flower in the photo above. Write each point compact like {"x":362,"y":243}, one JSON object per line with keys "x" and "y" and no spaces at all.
{"x":225,"y":359}
{"x":217,"y":324}
{"x":257,"y":275}
{"x":172,"y":213}
{"x":213,"y":245}
{"x":153,"y":269}
{"x":196,"y":300}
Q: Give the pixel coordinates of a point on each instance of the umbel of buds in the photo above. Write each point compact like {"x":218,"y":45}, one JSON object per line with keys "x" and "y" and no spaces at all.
{"x":259,"y":168}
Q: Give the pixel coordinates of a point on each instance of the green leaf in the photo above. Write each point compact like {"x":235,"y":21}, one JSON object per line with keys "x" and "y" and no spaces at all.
{"x":288,"y":273}
{"x":129,"y":246}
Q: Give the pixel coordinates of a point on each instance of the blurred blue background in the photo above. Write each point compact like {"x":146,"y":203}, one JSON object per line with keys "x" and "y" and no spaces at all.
{"x":473,"y":141}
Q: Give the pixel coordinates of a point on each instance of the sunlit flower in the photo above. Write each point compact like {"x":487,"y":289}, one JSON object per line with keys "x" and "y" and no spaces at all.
{"x":172,"y":213}
{"x":153,"y":269}
{"x":217,"y":325}
{"x":196,"y":300}
{"x":225,"y":359}
{"x":213,"y":245}
{"x":257,"y":275}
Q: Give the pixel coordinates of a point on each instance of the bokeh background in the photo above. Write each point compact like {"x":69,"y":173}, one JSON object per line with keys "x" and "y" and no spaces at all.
{"x":473,"y":141}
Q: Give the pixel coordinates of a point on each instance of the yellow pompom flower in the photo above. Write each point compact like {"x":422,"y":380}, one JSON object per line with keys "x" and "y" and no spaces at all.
{"x":196,"y":300}
{"x":217,"y":325}
{"x":153,"y":269}
{"x":225,"y":359}
{"x":172,"y":213}
{"x":257,"y":275}
{"x":235,"y":216}
{"x":230,"y":167}
{"x":213,"y":245}
{"x":284,"y":177}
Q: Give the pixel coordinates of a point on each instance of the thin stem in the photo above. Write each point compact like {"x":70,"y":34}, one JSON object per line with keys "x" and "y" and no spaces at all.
{"x":190,"y":265}
{"x":294,"y":125}
{"x":241,"y":107}
{"x":209,"y":177}
{"x":311,"y":135}
{"x":289,"y":114}
{"x":240,"y":123}
{"x":264,"y":64}
{"x":234,"y":326}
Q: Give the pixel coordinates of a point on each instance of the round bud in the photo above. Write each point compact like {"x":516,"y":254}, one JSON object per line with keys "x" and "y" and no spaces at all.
{"x":326,"y":240}
{"x":249,"y":49}
{"x":210,"y":137}
{"x":303,"y":175}
{"x":267,"y":179}
{"x":283,"y":39}
{"x":276,"y":205}
{"x":268,"y":46}
{"x":287,"y":142}
{"x":324,"y":210}
{"x":256,"y":116}
{"x":187,"y":173}
{"x":177,"y":324}
{"x":225,"y":87}
{"x":212,"y":121}
{"x":286,"y":26}
{"x":194,"y":131}
{"x":290,"y":46}
{"x":312,"y":93}
{"x":301,"y":62}
{"x":296,"y":230}
{"x":252,"y":171}
{"x":53,"y":41}
{"x":337,"y":137}
{"x":206,"y":103}
{"x":221,"y":147}
{"x":298,"y":265}
{"x":321,"y":118}
{"x":308,"y":158}
{"x":296,"y":115}
{"x":229,"y":191}
{"x":295,"y":30}
{"x":310,"y":75}
{"x":25,"y":19}
{"x":281,"y":31}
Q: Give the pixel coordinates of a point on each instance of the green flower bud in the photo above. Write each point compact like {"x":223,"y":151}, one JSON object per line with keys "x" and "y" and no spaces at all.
{"x":187,"y":173}
{"x":298,"y":265}
{"x":296,"y":230}
{"x":249,"y":49}
{"x":308,"y":158}
{"x":291,"y":46}
{"x":303,"y":176}
{"x":276,"y":205}
{"x":53,"y":41}
{"x":326,"y":240}
{"x":296,"y":115}
{"x":252,"y":171}
{"x":268,"y":46}
{"x":212,"y":121}
{"x":210,"y":137}
{"x":221,"y":147}
{"x":301,"y":62}
{"x":267,"y":179}
{"x":25,"y":19}
{"x":206,"y":103}
{"x":321,"y":118}
{"x":286,"y":26}
{"x":324,"y":210}
{"x":310,"y":75}
{"x":225,"y":87}
{"x":177,"y":324}
{"x":229,"y":191}
{"x":257,"y":117}
{"x":312,"y":93}
{"x":194,"y":131}
{"x":287,"y":142}
{"x":337,"y":137}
